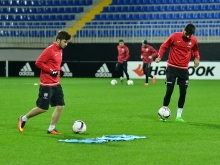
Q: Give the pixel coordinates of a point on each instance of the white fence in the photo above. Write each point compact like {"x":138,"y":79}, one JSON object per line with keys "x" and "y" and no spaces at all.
{"x":41,"y":36}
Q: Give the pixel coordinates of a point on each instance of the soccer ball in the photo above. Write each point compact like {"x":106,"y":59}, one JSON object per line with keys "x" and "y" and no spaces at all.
{"x":164,"y":113}
{"x":113,"y":82}
{"x":130,"y":82}
{"x":79,"y":126}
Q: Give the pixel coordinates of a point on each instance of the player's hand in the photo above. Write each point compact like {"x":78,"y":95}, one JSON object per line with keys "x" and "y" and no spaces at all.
{"x":196,"y":63}
{"x":157,"y":60}
{"x":141,"y":57}
{"x":54,"y":73}
{"x":150,"y":57}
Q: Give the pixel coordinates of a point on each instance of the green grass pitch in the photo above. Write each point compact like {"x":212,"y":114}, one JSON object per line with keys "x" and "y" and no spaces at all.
{"x":109,"y":110}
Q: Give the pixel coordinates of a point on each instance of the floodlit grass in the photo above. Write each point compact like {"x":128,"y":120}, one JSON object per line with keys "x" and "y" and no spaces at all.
{"x":109,"y":110}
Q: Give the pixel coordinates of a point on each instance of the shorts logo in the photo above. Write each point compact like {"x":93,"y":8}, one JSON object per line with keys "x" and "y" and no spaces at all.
{"x":45,"y":96}
{"x":26,"y":70}
{"x":103,"y":71}
{"x":139,"y":70}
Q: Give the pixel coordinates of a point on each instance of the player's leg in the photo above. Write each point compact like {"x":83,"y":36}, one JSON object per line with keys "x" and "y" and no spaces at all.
{"x":119,"y":70}
{"x":58,"y":101}
{"x":183,"y":85}
{"x":146,"y":72}
{"x":125,"y":69}
{"x":170,"y":82}
{"x":42,"y":106}
{"x":150,"y":75}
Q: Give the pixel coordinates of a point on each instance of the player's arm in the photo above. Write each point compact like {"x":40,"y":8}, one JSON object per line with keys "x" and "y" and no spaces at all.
{"x":164,"y":47}
{"x":127,"y":55}
{"x":42,"y":60}
{"x":195,"y":51}
{"x":153,"y":52}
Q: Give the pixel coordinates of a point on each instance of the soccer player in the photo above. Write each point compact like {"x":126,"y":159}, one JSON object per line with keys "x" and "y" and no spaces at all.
{"x":50,"y":90}
{"x":147,"y":54}
{"x":123,"y":56}
{"x":182,"y":46}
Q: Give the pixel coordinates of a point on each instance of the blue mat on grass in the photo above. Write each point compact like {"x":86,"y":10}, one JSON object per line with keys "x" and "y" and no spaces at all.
{"x":105,"y":139}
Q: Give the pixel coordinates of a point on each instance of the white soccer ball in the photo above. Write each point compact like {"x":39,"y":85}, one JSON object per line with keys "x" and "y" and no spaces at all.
{"x":79,"y":126}
{"x":164,"y":113}
{"x":130,"y":82}
{"x":114,"y":82}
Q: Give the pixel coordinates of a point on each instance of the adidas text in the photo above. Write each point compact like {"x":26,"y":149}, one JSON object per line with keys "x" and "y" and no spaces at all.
{"x":103,"y":71}
{"x":26,"y":73}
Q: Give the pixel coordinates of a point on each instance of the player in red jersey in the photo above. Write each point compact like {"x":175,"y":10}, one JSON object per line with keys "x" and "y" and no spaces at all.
{"x":50,"y":90}
{"x":123,"y":56}
{"x":147,"y":54}
{"x":182,"y":46}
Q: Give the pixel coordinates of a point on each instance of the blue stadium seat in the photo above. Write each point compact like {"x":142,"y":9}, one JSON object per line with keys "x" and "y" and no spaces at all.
{"x":163,"y":8}
{"x":38,"y":17}
{"x":117,"y":9}
{"x":157,"y":8}
{"x":4,"y":3}
{"x":204,"y":7}
{"x":18,"y":10}
{"x":73,"y":10}
{"x":60,"y":10}
{"x":131,"y":9}
{"x":82,"y":2}
{"x":3,"y":10}
{"x":46,"y":10}
{"x":34,"y":10}
{"x":170,"y":8}
{"x":197,"y":7}
{"x":203,"y":15}
{"x":217,"y":7}
{"x":176,"y":8}
{"x":115,"y":16}
{"x":80,"y":9}
{"x":150,"y":8}
{"x":124,"y":9}
{"x":75,"y":2}
{"x":11,"y":10}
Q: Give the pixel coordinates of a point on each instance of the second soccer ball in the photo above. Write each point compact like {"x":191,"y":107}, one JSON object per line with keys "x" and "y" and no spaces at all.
{"x":79,"y":126}
{"x":130,"y":82}
{"x":113,"y":82}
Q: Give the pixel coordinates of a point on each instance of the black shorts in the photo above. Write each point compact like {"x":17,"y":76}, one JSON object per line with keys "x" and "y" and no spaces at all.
{"x":181,"y":75}
{"x":52,"y":95}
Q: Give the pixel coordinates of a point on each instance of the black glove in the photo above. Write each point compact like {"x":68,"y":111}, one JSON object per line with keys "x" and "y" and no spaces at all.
{"x":54,"y":73}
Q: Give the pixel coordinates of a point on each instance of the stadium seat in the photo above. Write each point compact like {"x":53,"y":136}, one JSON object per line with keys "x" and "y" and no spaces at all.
{"x":3,"y":10}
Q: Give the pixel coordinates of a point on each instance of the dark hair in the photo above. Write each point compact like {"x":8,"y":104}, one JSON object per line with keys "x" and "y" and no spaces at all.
{"x":121,"y":40}
{"x":190,"y":28}
{"x":63,"y":35}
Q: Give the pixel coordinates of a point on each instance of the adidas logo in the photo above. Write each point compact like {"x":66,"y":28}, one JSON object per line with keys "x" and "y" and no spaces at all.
{"x":26,"y":70}
{"x":103,"y":71}
{"x":66,"y":71}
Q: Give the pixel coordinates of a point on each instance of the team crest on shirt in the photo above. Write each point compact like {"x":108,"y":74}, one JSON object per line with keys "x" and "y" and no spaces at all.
{"x":45,"y":96}
{"x":189,"y":44}
{"x":146,"y":49}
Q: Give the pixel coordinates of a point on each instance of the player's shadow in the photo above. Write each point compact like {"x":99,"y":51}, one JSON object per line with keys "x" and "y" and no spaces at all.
{"x":203,"y":125}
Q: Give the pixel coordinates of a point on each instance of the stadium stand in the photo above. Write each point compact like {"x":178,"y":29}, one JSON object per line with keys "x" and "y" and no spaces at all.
{"x":122,"y":18}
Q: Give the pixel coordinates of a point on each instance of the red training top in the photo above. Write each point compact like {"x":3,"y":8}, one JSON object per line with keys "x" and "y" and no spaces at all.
{"x":123,"y":53}
{"x":180,"y":50}
{"x":48,"y":61}
{"x":147,"y":51}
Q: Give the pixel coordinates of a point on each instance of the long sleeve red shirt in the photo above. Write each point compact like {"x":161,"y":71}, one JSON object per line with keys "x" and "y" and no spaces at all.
{"x":147,"y":51}
{"x":123,"y":53}
{"x":49,"y":60}
{"x":180,"y":50}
